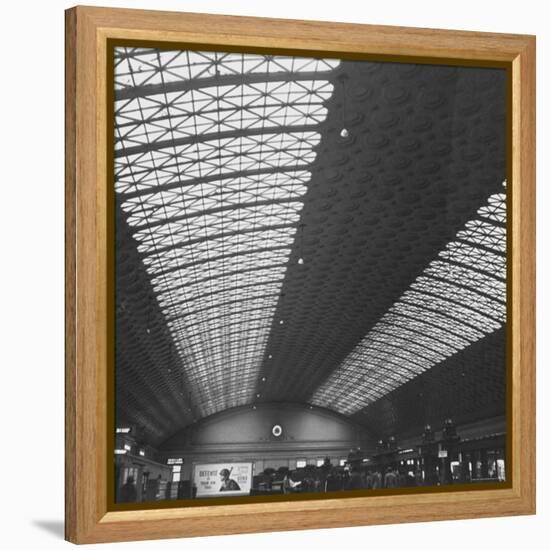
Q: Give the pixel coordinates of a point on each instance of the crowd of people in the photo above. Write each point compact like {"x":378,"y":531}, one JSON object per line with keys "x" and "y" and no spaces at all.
{"x":328,"y":477}
{"x":309,"y":479}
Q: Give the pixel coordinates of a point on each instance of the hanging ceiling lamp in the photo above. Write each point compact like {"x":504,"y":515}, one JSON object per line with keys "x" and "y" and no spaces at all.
{"x":344,"y":132}
{"x":301,"y":258}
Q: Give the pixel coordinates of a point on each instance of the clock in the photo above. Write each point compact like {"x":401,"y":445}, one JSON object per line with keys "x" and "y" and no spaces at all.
{"x":277,"y":430}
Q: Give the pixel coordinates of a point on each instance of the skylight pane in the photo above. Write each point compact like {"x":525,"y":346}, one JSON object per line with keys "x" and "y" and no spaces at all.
{"x":150,"y":171}
{"x":165,"y":117}
{"x":460,"y":298}
{"x":144,"y":66}
{"x":212,"y":161}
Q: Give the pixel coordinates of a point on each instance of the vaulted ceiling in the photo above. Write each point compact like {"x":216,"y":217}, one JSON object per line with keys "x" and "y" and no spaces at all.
{"x":319,"y":231}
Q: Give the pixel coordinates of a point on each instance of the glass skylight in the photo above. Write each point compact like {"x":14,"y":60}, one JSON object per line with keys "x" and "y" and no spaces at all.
{"x":212,"y":161}
{"x":459,"y":298}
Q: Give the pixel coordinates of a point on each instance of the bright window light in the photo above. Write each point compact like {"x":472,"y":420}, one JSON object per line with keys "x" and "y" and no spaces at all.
{"x":458,"y":299}
{"x":212,"y":161}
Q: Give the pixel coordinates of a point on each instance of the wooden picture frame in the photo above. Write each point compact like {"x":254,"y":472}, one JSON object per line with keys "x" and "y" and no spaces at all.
{"x":88,"y":29}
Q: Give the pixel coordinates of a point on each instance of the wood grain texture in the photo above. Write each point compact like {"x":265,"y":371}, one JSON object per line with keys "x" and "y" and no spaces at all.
{"x":70,"y":273}
{"x":524,"y":288}
{"x":87,"y":30}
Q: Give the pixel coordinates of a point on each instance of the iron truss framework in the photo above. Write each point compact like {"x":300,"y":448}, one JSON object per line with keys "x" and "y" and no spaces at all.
{"x":221,"y":160}
{"x":459,"y":298}
{"x":212,"y":155}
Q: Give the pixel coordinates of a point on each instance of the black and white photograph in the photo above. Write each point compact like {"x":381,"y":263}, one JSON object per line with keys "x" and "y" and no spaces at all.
{"x":310,"y":276}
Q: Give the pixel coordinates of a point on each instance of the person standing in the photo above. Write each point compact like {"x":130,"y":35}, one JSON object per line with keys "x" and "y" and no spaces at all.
{"x":128,"y":491}
{"x":377,"y":480}
{"x":355,"y":480}
{"x":390,"y":479}
{"x":368,"y":480}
